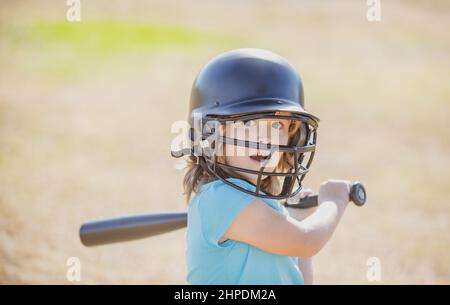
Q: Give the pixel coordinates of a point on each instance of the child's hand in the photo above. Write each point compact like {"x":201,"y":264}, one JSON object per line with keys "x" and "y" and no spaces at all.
{"x":300,"y":214}
{"x":302,"y":194}
{"x":336,"y":191}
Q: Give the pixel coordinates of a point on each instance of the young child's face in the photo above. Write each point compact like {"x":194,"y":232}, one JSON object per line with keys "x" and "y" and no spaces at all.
{"x":268,"y":131}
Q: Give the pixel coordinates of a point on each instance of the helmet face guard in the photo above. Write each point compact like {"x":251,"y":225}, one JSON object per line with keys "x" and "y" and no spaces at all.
{"x":300,"y":152}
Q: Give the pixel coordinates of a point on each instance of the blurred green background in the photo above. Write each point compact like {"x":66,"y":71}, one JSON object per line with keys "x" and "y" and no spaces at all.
{"x":86,"y":109}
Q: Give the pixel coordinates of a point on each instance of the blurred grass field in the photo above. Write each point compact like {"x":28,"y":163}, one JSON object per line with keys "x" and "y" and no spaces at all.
{"x":86,"y":110}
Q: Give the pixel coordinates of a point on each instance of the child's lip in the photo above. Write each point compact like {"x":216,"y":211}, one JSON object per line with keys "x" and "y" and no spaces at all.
{"x":259,"y":158}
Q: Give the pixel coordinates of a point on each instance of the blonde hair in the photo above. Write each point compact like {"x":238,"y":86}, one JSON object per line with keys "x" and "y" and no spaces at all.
{"x":196,"y":176}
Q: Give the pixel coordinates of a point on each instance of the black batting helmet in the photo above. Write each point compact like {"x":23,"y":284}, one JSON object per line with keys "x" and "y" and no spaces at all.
{"x":248,"y":84}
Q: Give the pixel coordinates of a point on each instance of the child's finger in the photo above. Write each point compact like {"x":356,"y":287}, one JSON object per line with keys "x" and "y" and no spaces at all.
{"x":305,"y":192}
{"x":300,"y":195}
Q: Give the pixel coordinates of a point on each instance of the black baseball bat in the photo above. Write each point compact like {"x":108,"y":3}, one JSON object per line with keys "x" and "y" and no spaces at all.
{"x":127,"y":228}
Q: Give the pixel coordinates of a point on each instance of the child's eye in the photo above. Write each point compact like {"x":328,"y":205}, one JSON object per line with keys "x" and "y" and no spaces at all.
{"x":277,"y":125}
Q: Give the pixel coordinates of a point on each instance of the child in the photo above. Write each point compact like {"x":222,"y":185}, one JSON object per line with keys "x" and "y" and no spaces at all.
{"x":252,"y":145}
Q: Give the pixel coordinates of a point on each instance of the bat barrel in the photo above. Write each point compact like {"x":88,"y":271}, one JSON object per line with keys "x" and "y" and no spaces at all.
{"x":133,"y":227}
{"x":128,"y":228}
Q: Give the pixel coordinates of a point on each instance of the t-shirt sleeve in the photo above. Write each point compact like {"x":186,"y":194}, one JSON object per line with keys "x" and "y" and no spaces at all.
{"x":283,"y":210}
{"x":219,"y":207}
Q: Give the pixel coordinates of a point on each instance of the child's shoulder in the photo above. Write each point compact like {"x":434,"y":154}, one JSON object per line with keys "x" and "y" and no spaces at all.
{"x":220,"y":185}
{"x":218,"y":193}
{"x":219,"y":190}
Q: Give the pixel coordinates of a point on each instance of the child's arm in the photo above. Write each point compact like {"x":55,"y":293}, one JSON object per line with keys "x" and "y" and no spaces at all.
{"x":263,"y":227}
{"x":300,"y":214}
{"x":306,"y":267}
{"x":305,"y":264}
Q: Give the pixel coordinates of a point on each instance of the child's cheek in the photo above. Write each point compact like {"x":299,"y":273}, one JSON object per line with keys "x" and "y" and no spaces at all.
{"x":283,"y":138}
{"x":274,"y":160}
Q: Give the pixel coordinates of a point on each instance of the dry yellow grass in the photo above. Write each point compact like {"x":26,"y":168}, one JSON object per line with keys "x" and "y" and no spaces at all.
{"x":92,"y":139}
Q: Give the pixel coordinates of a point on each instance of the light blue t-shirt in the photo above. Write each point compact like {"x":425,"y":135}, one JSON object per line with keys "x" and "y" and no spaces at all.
{"x":210,"y":213}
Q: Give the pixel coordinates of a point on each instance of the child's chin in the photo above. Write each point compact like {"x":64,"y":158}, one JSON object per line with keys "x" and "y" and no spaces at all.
{"x":256,"y":166}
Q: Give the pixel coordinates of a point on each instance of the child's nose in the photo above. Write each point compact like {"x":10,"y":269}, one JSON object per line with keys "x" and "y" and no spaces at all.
{"x":264,"y":141}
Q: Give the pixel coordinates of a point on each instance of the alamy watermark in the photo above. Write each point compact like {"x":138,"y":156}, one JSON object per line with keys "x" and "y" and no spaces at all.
{"x":373,"y":13}
{"x":74,"y":11}
{"x":73,"y":273}
{"x":374,"y":269}
{"x":236,"y":133}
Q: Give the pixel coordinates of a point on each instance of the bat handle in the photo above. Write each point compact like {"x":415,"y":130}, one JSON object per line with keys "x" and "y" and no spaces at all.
{"x":358,"y":196}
